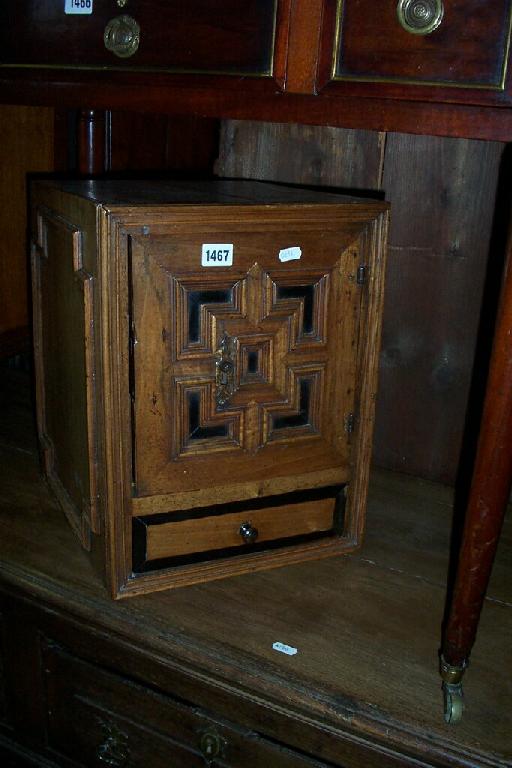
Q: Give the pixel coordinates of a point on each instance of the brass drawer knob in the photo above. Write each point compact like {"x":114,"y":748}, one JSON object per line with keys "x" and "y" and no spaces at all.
{"x":122,"y":36}
{"x":420,"y":17}
{"x":248,"y":533}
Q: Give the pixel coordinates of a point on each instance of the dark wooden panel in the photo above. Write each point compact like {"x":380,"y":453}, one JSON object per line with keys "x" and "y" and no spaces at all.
{"x":442,"y":196}
{"x":236,"y":37}
{"x":469,"y":48}
{"x":154,"y":142}
{"x":299,"y":154}
{"x":257,"y":99}
{"x":26,"y":146}
{"x":95,"y":715}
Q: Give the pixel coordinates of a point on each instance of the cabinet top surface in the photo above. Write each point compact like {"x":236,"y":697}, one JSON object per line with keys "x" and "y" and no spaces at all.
{"x":153,"y":193}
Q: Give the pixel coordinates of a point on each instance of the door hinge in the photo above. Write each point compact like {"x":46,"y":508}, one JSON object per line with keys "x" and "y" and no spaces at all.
{"x":362,"y":274}
{"x":350,"y":423}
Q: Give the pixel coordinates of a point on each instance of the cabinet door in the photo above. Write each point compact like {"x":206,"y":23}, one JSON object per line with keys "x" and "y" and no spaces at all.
{"x":243,"y":374}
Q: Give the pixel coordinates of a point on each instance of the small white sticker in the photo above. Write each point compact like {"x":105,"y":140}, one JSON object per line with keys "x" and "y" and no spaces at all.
{"x":282,"y":648}
{"x":78,"y":6}
{"x":217,"y":255}
{"x":289,"y":254}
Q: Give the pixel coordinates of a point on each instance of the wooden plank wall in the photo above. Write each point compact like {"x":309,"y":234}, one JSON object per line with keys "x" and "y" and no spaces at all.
{"x":442,"y":193}
{"x":26,"y":146}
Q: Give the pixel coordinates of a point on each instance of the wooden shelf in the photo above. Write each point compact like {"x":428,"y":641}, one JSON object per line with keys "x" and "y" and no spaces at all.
{"x":367,"y":626}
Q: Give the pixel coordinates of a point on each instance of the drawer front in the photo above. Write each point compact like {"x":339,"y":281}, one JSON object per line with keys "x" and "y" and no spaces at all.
{"x":233,"y":37}
{"x":386,"y":42}
{"x":97,"y":718}
{"x":174,"y":539}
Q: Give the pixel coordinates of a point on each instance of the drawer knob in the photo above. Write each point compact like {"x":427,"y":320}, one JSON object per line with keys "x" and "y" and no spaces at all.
{"x":122,"y":36}
{"x":420,"y":17}
{"x":248,"y":533}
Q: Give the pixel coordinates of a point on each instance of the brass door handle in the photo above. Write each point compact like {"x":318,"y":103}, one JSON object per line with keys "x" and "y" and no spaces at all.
{"x":420,"y":17}
{"x":122,"y":36}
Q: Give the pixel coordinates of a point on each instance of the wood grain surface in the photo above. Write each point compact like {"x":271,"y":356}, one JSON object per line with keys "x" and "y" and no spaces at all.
{"x":205,"y":533}
{"x":367,"y":629}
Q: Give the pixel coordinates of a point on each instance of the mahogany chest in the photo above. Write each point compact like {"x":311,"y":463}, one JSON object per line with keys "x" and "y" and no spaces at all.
{"x":206,"y":358}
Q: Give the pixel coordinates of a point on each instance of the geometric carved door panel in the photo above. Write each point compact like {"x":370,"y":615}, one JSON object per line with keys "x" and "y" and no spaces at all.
{"x":242,"y":374}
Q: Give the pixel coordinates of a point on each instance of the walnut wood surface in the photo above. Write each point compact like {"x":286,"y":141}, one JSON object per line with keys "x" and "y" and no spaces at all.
{"x":469,"y":48}
{"x":117,"y":426}
{"x":362,"y":688}
{"x":237,"y":38}
{"x":252,"y":100}
{"x":244,"y":40}
{"x":197,"y":535}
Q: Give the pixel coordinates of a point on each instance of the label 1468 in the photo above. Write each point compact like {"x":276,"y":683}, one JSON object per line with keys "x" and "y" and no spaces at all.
{"x":217,"y":254}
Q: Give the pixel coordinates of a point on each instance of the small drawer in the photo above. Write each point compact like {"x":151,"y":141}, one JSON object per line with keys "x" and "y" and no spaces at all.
{"x":227,"y":529}
{"x":97,"y":718}
{"x":235,"y":37}
{"x":461,"y":43}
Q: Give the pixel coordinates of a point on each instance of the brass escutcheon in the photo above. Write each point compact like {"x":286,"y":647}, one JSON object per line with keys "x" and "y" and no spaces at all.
{"x":122,"y":36}
{"x":225,"y":369}
{"x":420,"y":17}
{"x":212,"y":745}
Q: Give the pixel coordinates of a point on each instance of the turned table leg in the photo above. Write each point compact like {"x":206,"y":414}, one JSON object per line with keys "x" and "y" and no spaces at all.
{"x":92,"y":145}
{"x":486,"y":507}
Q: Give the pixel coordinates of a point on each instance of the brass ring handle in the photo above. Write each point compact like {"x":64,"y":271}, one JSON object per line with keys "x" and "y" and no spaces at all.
{"x":122,"y":36}
{"x":420,"y":17}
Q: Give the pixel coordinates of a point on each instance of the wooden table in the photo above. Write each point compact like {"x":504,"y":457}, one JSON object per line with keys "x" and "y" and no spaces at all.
{"x":319,"y":62}
{"x":84,"y":676}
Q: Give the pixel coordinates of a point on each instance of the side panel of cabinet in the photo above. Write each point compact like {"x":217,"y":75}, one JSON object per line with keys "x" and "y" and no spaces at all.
{"x":64,"y":342}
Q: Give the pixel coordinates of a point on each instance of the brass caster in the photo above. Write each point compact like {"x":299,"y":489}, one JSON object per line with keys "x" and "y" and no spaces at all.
{"x":453,"y":703}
